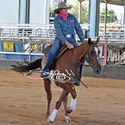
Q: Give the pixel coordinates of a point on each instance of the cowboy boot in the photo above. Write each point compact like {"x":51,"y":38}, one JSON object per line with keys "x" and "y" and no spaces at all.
{"x":80,"y":75}
{"x":77,"y":83}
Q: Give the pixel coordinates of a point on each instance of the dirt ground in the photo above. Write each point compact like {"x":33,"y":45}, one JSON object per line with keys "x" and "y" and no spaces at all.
{"x":23,"y":101}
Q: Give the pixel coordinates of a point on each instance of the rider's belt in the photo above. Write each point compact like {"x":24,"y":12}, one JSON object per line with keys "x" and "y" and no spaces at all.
{"x":68,"y":35}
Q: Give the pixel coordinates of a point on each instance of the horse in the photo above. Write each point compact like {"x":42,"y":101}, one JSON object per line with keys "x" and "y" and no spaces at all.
{"x":65,"y":72}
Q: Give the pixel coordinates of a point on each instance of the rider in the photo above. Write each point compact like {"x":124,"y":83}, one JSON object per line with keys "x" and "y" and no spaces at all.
{"x":65,"y":25}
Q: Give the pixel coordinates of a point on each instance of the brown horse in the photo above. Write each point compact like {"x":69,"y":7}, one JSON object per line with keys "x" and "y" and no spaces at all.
{"x":66,"y":71}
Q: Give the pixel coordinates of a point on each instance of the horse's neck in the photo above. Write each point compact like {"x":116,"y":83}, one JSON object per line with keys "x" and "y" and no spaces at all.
{"x":79,"y":51}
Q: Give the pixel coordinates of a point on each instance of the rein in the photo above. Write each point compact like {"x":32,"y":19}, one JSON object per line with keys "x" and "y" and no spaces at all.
{"x":86,"y":53}
{"x":80,"y":64}
{"x":75,"y":57}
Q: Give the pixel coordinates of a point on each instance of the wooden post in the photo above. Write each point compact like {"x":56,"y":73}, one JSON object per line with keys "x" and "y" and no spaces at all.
{"x":80,"y":1}
{"x":105,"y":52}
{"x":106,"y":1}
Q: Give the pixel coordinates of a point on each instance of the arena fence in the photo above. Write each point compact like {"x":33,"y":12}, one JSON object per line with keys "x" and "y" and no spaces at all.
{"x":113,"y":31}
{"x":27,"y":42}
{"x":114,"y":52}
{"x":21,"y":42}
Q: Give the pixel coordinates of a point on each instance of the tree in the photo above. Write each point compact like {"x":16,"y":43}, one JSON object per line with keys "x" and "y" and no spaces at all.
{"x":111,"y":16}
{"x":84,"y":12}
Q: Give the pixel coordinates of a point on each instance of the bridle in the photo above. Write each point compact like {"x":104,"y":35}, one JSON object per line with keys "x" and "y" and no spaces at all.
{"x":86,"y":53}
{"x":72,"y":53}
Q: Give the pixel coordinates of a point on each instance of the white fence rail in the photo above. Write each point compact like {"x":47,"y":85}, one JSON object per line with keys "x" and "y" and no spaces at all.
{"x":28,"y":31}
{"x":30,"y":35}
{"x":113,"y":31}
{"x":24,"y":32}
{"x":37,"y":34}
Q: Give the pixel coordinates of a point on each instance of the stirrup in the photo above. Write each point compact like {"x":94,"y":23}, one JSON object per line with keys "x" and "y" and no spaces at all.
{"x":44,"y":74}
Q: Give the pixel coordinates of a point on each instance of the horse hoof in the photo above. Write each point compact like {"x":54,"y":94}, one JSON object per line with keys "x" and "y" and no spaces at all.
{"x":51,"y":121}
{"x":68,"y":120}
{"x":46,"y":117}
{"x":69,"y":110}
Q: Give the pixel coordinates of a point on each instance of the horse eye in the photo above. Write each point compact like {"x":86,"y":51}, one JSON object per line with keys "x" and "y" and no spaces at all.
{"x":92,"y":53}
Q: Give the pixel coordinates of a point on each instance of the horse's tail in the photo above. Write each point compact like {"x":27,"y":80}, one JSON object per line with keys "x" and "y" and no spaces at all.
{"x":27,"y":66}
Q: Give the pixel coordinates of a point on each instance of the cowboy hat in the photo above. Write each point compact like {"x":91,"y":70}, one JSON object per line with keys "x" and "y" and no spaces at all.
{"x":61,"y":5}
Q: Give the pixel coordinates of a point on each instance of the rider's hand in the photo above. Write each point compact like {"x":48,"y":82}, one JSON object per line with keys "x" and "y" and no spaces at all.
{"x":69,"y":45}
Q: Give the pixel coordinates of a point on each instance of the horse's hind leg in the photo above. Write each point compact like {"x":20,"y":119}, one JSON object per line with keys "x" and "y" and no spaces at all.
{"x":57,"y":106}
{"x":47,"y":86}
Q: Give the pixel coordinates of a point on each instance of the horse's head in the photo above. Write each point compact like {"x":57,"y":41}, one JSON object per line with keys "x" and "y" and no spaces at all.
{"x":91,"y":56}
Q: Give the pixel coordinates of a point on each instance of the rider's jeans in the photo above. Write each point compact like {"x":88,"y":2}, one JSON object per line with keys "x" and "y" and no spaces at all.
{"x":52,"y":54}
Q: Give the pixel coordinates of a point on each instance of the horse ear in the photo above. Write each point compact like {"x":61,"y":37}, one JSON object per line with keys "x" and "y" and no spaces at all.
{"x":97,"y":40}
{"x":89,"y":41}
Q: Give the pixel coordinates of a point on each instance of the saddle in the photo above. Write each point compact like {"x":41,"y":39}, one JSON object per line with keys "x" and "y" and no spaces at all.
{"x":61,"y":51}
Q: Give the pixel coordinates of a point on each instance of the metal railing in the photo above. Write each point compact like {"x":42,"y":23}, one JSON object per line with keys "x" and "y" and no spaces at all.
{"x":34,"y":34}
{"x":24,"y":32}
{"x":29,"y":34}
{"x":113,"y":31}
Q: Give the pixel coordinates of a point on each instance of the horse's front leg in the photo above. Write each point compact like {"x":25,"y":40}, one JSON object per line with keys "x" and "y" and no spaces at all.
{"x":68,"y":120}
{"x":72,"y":106}
{"x":57,"y":106}
{"x":47,"y":86}
{"x":65,"y":104}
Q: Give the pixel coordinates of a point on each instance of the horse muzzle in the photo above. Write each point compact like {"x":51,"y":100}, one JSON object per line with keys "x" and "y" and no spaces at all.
{"x":98,"y":70}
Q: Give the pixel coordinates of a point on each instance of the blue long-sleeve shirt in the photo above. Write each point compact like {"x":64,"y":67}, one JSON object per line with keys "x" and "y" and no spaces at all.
{"x":67,"y":27}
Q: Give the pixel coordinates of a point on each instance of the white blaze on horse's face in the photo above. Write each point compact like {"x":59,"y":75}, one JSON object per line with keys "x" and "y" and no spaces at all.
{"x":97,"y":51}
{"x":94,"y":60}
